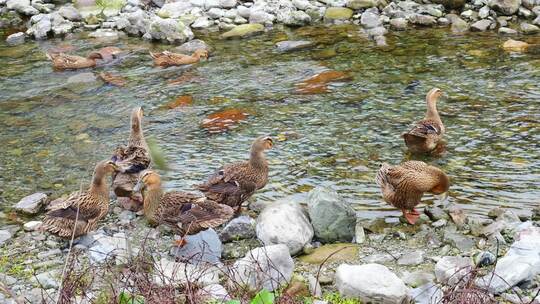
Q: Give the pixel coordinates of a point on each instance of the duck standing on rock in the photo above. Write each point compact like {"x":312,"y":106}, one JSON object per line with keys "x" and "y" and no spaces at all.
{"x":426,"y":134}
{"x":62,"y":61}
{"x":404,"y":185}
{"x":166,"y":58}
{"x":80,"y":212}
{"x":131,"y":160}
{"x":184,"y":212}
{"x":234,"y":183}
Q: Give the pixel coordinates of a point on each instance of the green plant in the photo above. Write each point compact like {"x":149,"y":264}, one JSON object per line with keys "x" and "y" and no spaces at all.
{"x":263,"y":297}
{"x":126,"y":298}
{"x":336,"y":298}
{"x":110,"y":4}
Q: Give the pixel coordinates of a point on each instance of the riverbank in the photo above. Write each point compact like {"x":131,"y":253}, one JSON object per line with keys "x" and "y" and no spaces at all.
{"x":174,"y":22}
{"x":426,"y":263}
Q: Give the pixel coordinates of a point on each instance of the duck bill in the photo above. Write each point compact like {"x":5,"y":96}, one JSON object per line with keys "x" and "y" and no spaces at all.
{"x":138,"y":187}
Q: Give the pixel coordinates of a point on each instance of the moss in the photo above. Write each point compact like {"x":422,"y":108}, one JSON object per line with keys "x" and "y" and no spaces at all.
{"x":13,"y":265}
{"x":335,"y":298}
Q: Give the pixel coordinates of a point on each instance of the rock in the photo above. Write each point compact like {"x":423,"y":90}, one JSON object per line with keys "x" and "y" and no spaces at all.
{"x":451,"y":269}
{"x":5,"y":235}
{"x":424,"y":20}
{"x":201,"y":23}
{"x":243,"y":11}
{"x":505,"y":7}
{"x":32,"y":225}
{"x":169,"y":272}
{"x":31,"y":204}
{"x":170,"y":30}
{"x":7,"y":279}
{"x":459,"y":26}
{"x":370,"y":20}
{"x":359,"y":234}
{"x":47,"y":280}
{"x":515,"y":45}
{"x":41,"y":26}
{"x":191,"y":46}
{"x":266,"y":267}
{"x":427,"y":294}
{"x":10,"y":19}
{"x":22,"y":6}
{"x":435,"y":213}
{"x":380,"y":258}
{"x":242,"y":227}
{"x":528,"y":29}
{"x":459,"y":241}
{"x":138,"y":22}
{"x":451,"y":4}
{"x":284,"y":223}
{"x":399,"y":24}
{"x":104,"y":34}
{"x":507,"y":31}
{"x":117,"y":246}
{"x":59,"y":25}
{"x":530,"y":4}
{"x":483,"y":13}
{"x":521,"y":263}
{"x":366,"y":283}
{"x":238,"y":249}
{"x":260,"y":16}
{"x":477,"y":225}
{"x":331,"y":253}
{"x":361,"y":4}
{"x":480,"y":25}
{"x":213,"y":292}
{"x":484,"y":258}
{"x":175,"y":9}
{"x":216,"y":13}
{"x":48,"y":254}
{"x":418,"y":278}
{"x":70,"y":13}
{"x":293,"y":17}
{"x":289,"y":46}
{"x":411,"y":258}
{"x":469,"y":15}
{"x":338,"y":13}
{"x":16,"y":39}
{"x":204,"y":246}
{"x":82,"y":78}
{"x":244,"y":30}
{"x":332,"y":218}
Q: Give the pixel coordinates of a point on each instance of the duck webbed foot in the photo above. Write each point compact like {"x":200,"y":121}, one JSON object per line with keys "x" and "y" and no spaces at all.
{"x":411,"y":215}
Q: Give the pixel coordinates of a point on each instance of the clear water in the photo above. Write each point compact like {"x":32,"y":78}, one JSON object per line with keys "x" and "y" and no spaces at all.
{"x":53,"y":132}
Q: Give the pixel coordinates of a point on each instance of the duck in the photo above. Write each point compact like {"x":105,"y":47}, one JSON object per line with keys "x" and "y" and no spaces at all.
{"x":166,"y":58}
{"x":234,"y":183}
{"x":65,"y":221}
{"x":428,"y":132}
{"x":186,"y":213}
{"x":403,"y":185}
{"x":131,"y":160}
{"x":62,"y":61}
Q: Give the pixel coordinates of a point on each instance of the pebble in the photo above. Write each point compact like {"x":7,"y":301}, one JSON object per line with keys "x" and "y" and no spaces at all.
{"x":16,"y":39}
{"x":411,"y":258}
{"x":32,"y":225}
{"x":5,"y":235}
{"x":31,"y":204}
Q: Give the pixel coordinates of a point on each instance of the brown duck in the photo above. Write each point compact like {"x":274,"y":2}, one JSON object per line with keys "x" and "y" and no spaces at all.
{"x":404,"y":185}
{"x":131,"y":160}
{"x":426,"y":134}
{"x":62,"y":61}
{"x":184,"y":212}
{"x":165,"y":59}
{"x":234,"y":183}
{"x":80,"y":212}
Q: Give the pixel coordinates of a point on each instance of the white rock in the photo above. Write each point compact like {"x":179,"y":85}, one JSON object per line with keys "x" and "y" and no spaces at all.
{"x":70,"y":13}
{"x":170,"y":30}
{"x":483,"y":12}
{"x":242,"y":227}
{"x":450,"y":269}
{"x":411,"y":258}
{"x":301,"y":4}
{"x":243,"y":11}
{"x":5,"y":235}
{"x":521,"y":262}
{"x":427,"y":294}
{"x":227,"y":3}
{"x":31,"y":204}
{"x":216,"y":13}
{"x":201,"y":22}
{"x":262,"y":17}
{"x":46,"y":279}
{"x":370,"y":283}
{"x":32,"y":225}
{"x":359,"y":234}
{"x":266,"y":267}
{"x":169,"y":272}
{"x":284,"y":223}
{"x":214,"y":292}
{"x":16,"y":39}
{"x":22,"y":6}
{"x":175,"y":9}
{"x":117,"y":246}
{"x":104,"y":34}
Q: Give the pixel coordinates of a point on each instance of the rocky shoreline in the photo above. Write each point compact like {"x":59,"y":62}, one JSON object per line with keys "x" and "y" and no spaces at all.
{"x":174,"y":22}
{"x":317,"y":248}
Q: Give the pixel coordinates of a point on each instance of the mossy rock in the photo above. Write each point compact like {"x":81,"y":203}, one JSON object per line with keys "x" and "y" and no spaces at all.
{"x":244,"y":30}
{"x":343,"y":252}
{"x":338,"y":13}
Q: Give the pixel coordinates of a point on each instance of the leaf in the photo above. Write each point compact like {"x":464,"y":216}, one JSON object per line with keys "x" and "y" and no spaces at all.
{"x":233,"y":302}
{"x":126,"y":298}
{"x":263,"y":297}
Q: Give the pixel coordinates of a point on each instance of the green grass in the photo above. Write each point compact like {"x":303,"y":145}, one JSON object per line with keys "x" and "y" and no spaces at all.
{"x":14,"y":265}
{"x":335,"y":298}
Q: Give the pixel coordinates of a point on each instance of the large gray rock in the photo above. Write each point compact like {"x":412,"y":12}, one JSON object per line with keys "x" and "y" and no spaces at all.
{"x":41,"y":26}
{"x":521,"y":263}
{"x":332,"y":218}
{"x":59,"y":25}
{"x":289,"y":46}
{"x":50,"y":279}
{"x":139,"y":21}
{"x":505,"y":7}
{"x":16,"y":39}
{"x":70,"y":13}
{"x":293,"y":17}
{"x":204,"y":246}
{"x":451,"y":269}
{"x":480,"y":25}
{"x":284,"y":223}
{"x":458,"y":25}
{"x":361,"y":4}
{"x":5,"y":235}
{"x":370,"y":283}
{"x":528,"y":29}
{"x":260,"y":16}
{"x":399,"y":24}
{"x":170,"y":272}
{"x":242,"y":227}
{"x":22,"y":6}
{"x":170,"y":30}
{"x":175,"y":9}
{"x":424,"y":20}
{"x":427,"y":294}
{"x":105,"y":247}
{"x":370,"y":20}
{"x":266,"y":267}
{"x":31,"y":204}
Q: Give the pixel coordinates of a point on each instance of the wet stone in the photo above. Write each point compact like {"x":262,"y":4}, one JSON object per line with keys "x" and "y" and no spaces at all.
{"x":435,"y":213}
{"x":289,"y":46}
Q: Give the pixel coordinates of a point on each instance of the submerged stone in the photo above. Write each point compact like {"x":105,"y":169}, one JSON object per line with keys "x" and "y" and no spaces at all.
{"x":338,"y":13}
{"x":331,"y":253}
{"x":244,"y":30}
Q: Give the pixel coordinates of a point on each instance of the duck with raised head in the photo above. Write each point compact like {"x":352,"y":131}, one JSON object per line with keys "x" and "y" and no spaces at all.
{"x":403,"y":185}
{"x":426,"y":133}
{"x":62,"y":61}
{"x":234,"y":183}
{"x":166,"y":58}
{"x":184,"y":212}
{"x":80,"y":212}
{"x":131,"y":160}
